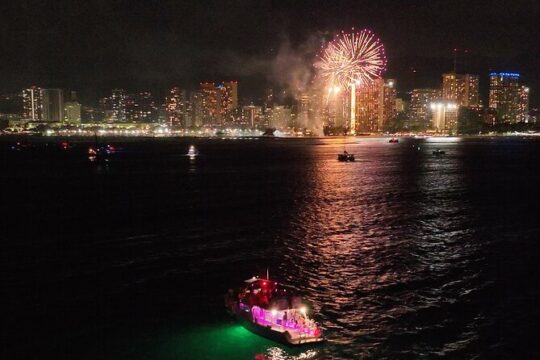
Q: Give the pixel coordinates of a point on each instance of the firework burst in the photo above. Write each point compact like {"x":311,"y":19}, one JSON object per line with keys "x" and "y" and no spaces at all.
{"x":357,"y":57}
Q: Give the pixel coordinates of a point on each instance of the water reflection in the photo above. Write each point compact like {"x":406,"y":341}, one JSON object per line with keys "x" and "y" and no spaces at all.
{"x":383,"y":246}
{"x":230,"y":341}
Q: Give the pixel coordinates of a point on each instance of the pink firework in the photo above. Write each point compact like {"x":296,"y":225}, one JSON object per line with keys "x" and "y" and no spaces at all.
{"x":357,"y":57}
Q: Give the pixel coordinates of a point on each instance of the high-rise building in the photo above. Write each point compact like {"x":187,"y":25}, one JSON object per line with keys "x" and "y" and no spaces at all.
{"x":92,"y":115}
{"x":508,"y":97}
{"x":302,"y":113}
{"x":420,"y":109}
{"x":523,"y":105}
{"x":387,"y":99}
{"x":72,"y":112}
{"x":375,"y":105}
{"x":219,"y":103}
{"x":401,"y":105}
{"x":140,"y":107}
{"x":336,"y":115}
{"x":118,"y":105}
{"x":252,"y":115}
{"x":188,"y":115}
{"x":281,"y":117}
{"x":211,"y":104}
{"x":197,"y":112}
{"x":229,"y":96}
{"x":176,"y":107}
{"x":461,"y":89}
{"x":444,"y":116}
{"x":53,"y":105}
{"x":367,"y":107}
{"x":32,"y":104}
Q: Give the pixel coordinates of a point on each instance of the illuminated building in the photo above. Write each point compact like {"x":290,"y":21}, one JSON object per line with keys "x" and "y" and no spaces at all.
{"x":252,"y":115}
{"x":219,"y":103}
{"x":91,"y":115}
{"x":490,"y":116}
{"x":508,"y":97}
{"x":523,"y":104}
{"x":308,"y":110}
{"x":461,"y":89}
{"x":444,"y":116}
{"x":375,"y":105}
{"x":196,"y":110}
{"x":281,"y":117}
{"x":53,"y":105}
{"x":387,"y":99}
{"x":176,"y":107}
{"x":118,"y":106}
{"x":367,"y":107}
{"x":401,"y":105}
{"x":140,"y":107}
{"x":211,"y":104}
{"x":420,"y":105}
{"x":32,"y":104}
{"x":162,"y":114}
{"x":337,"y":112}
{"x":302,"y":114}
{"x":188,"y":116}
{"x":72,"y":112}
{"x":228,"y":97}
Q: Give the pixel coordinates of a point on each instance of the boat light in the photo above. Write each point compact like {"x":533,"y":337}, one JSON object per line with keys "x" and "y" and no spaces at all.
{"x":303,"y":310}
{"x":274,"y":312}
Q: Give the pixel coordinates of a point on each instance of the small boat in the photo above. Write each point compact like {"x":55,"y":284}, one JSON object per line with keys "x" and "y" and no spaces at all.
{"x":393,"y":140}
{"x":192,"y":152}
{"x":438,"y":152}
{"x":23,"y":146}
{"x":272,"y":310}
{"x":98,"y":153}
{"x":345,"y":157}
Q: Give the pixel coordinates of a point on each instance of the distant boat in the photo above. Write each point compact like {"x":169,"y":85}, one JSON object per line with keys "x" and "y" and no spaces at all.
{"x":101,"y":153}
{"x":22,"y":146}
{"x":345,"y":156}
{"x":393,"y":140}
{"x":192,"y":152}
{"x":438,"y":152}
{"x":272,"y":310}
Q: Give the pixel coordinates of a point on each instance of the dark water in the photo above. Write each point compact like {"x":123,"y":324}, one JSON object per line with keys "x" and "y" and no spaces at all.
{"x":403,"y":255}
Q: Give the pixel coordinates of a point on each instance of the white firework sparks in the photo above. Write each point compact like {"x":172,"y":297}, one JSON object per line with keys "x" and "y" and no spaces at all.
{"x":356,"y":57}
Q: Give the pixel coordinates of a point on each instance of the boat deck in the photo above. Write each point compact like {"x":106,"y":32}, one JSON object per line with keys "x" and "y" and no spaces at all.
{"x":297,"y":335}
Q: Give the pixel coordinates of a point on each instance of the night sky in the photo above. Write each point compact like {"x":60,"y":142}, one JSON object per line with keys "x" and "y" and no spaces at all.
{"x":94,"y":45}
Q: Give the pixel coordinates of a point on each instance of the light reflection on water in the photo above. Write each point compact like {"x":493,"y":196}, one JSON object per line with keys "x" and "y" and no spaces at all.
{"x":230,"y":341}
{"x":379,"y":245}
{"x":402,"y":254}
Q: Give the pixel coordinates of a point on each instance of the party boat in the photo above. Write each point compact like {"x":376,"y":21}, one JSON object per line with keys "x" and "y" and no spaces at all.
{"x":271,"y":310}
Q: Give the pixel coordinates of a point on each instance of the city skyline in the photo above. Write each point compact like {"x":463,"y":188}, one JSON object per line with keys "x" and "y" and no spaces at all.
{"x":319,"y":109}
{"x":260,"y":45}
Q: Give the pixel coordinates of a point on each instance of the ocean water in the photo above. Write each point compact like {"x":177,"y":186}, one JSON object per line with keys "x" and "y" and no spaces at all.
{"x":401,"y":254}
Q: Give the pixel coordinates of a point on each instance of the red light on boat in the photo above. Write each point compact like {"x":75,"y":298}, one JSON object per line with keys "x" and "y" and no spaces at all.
{"x":264,"y":283}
